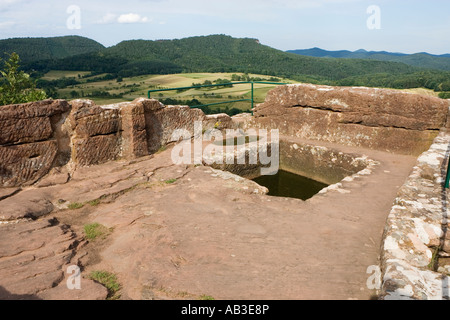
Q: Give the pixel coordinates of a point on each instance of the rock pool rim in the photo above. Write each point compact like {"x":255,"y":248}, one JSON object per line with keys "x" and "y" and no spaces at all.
{"x":285,"y":184}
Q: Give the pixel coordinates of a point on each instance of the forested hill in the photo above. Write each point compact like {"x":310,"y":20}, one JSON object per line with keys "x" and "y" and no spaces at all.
{"x":423,"y":59}
{"x":217,"y":53}
{"x":220,"y":53}
{"x":35,"y":49}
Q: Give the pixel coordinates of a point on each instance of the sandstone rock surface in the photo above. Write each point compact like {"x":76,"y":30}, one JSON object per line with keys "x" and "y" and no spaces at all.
{"x":383,"y":119}
{"x":183,"y":231}
{"x":31,"y":122}
{"x":33,"y":261}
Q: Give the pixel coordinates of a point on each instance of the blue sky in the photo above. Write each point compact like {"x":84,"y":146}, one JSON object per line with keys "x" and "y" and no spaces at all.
{"x":406,"y":26}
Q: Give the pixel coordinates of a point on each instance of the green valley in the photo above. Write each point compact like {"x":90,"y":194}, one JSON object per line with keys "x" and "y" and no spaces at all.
{"x":82,"y":85}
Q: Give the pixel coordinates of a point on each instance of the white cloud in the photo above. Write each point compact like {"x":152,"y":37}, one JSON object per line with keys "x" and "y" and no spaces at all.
{"x":132,"y":18}
{"x":108,"y":18}
{"x":123,"y":18}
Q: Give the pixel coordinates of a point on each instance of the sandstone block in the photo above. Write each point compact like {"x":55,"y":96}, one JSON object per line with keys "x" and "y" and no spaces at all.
{"x":382,"y":119}
{"x":30,"y":122}
{"x":45,"y":108}
{"x":150,"y":105}
{"x":162,"y":124}
{"x":96,"y":150}
{"x":134,"y":134}
{"x":218,"y":121}
{"x":89,"y":120}
{"x":25,"y":164}
{"x":370,"y":106}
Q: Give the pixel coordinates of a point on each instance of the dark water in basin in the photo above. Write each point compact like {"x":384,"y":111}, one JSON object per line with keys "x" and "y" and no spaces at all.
{"x":286,"y":184}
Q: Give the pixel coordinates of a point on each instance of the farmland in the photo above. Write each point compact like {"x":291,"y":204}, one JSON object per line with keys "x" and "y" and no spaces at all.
{"x":128,"y":89}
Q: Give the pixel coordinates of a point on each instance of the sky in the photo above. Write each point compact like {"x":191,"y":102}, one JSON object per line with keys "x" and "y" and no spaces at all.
{"x":376,"y":25}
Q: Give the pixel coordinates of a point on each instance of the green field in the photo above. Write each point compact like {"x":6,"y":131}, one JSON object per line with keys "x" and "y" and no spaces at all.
{"x":131,"y":88}
{"x":127,"y":89}
{"x":58,"y":74}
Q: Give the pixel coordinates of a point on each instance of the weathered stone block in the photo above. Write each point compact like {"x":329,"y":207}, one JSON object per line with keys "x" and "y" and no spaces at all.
{"x":162,"y":124}
{"x":89,"y":120}
{"x":96,"y":150}
{"x":387,"y":120}
{"x":378,"y":107}
{"x":29,"y":122}
{"x":218,"y":121}
{"x":45,"y":108}
{"x":150,"y":105}
{"x":34,"y":257}
{"x":15,"y":131}
{"x":25,"y":164}
{"x":134,"y":134}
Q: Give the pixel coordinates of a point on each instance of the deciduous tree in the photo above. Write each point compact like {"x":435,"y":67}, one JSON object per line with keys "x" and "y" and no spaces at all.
{"x":16,"y":86}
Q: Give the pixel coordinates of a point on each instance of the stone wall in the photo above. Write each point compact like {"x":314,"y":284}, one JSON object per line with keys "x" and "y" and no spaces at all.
{"x":382,"y":119}
{"x":39,"y":136}
{"x":415,"y":260}
{"x":28,"y":140}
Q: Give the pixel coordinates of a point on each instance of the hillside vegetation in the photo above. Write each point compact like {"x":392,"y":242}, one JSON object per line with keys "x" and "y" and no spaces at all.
{"x":217,"y":53}
{"x":423,"y":60}
{"x":36,"y":49}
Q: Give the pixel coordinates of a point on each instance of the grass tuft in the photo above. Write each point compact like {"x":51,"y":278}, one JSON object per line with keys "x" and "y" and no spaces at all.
{"x":95,"y":230}
{"x":434,"y":263}
{"x":75,"y":206}
{"x":108,"y":280}
{"x":94,"y":203}
{"x":162,"y":149}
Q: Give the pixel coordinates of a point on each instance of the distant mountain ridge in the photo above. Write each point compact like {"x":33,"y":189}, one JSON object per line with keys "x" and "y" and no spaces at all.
{"x":35,"y":49}
{"x":421,"y":59}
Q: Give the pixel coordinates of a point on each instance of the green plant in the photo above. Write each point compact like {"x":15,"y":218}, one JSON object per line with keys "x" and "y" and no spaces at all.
{"x":434,"y":263}
{"x":170,"y":181}
{"x":444,"y":95}
{"x":16,"y":86}
{"x":75,"y":206}
{"x":94,"y":231}
{"x":162,"y":149}
{"x":108,"y":280}
{"x":94,"y":203}
{"x":206,"y":298}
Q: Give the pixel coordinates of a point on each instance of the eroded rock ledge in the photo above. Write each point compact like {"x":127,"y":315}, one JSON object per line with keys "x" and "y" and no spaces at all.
{"x":382,"y":119}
